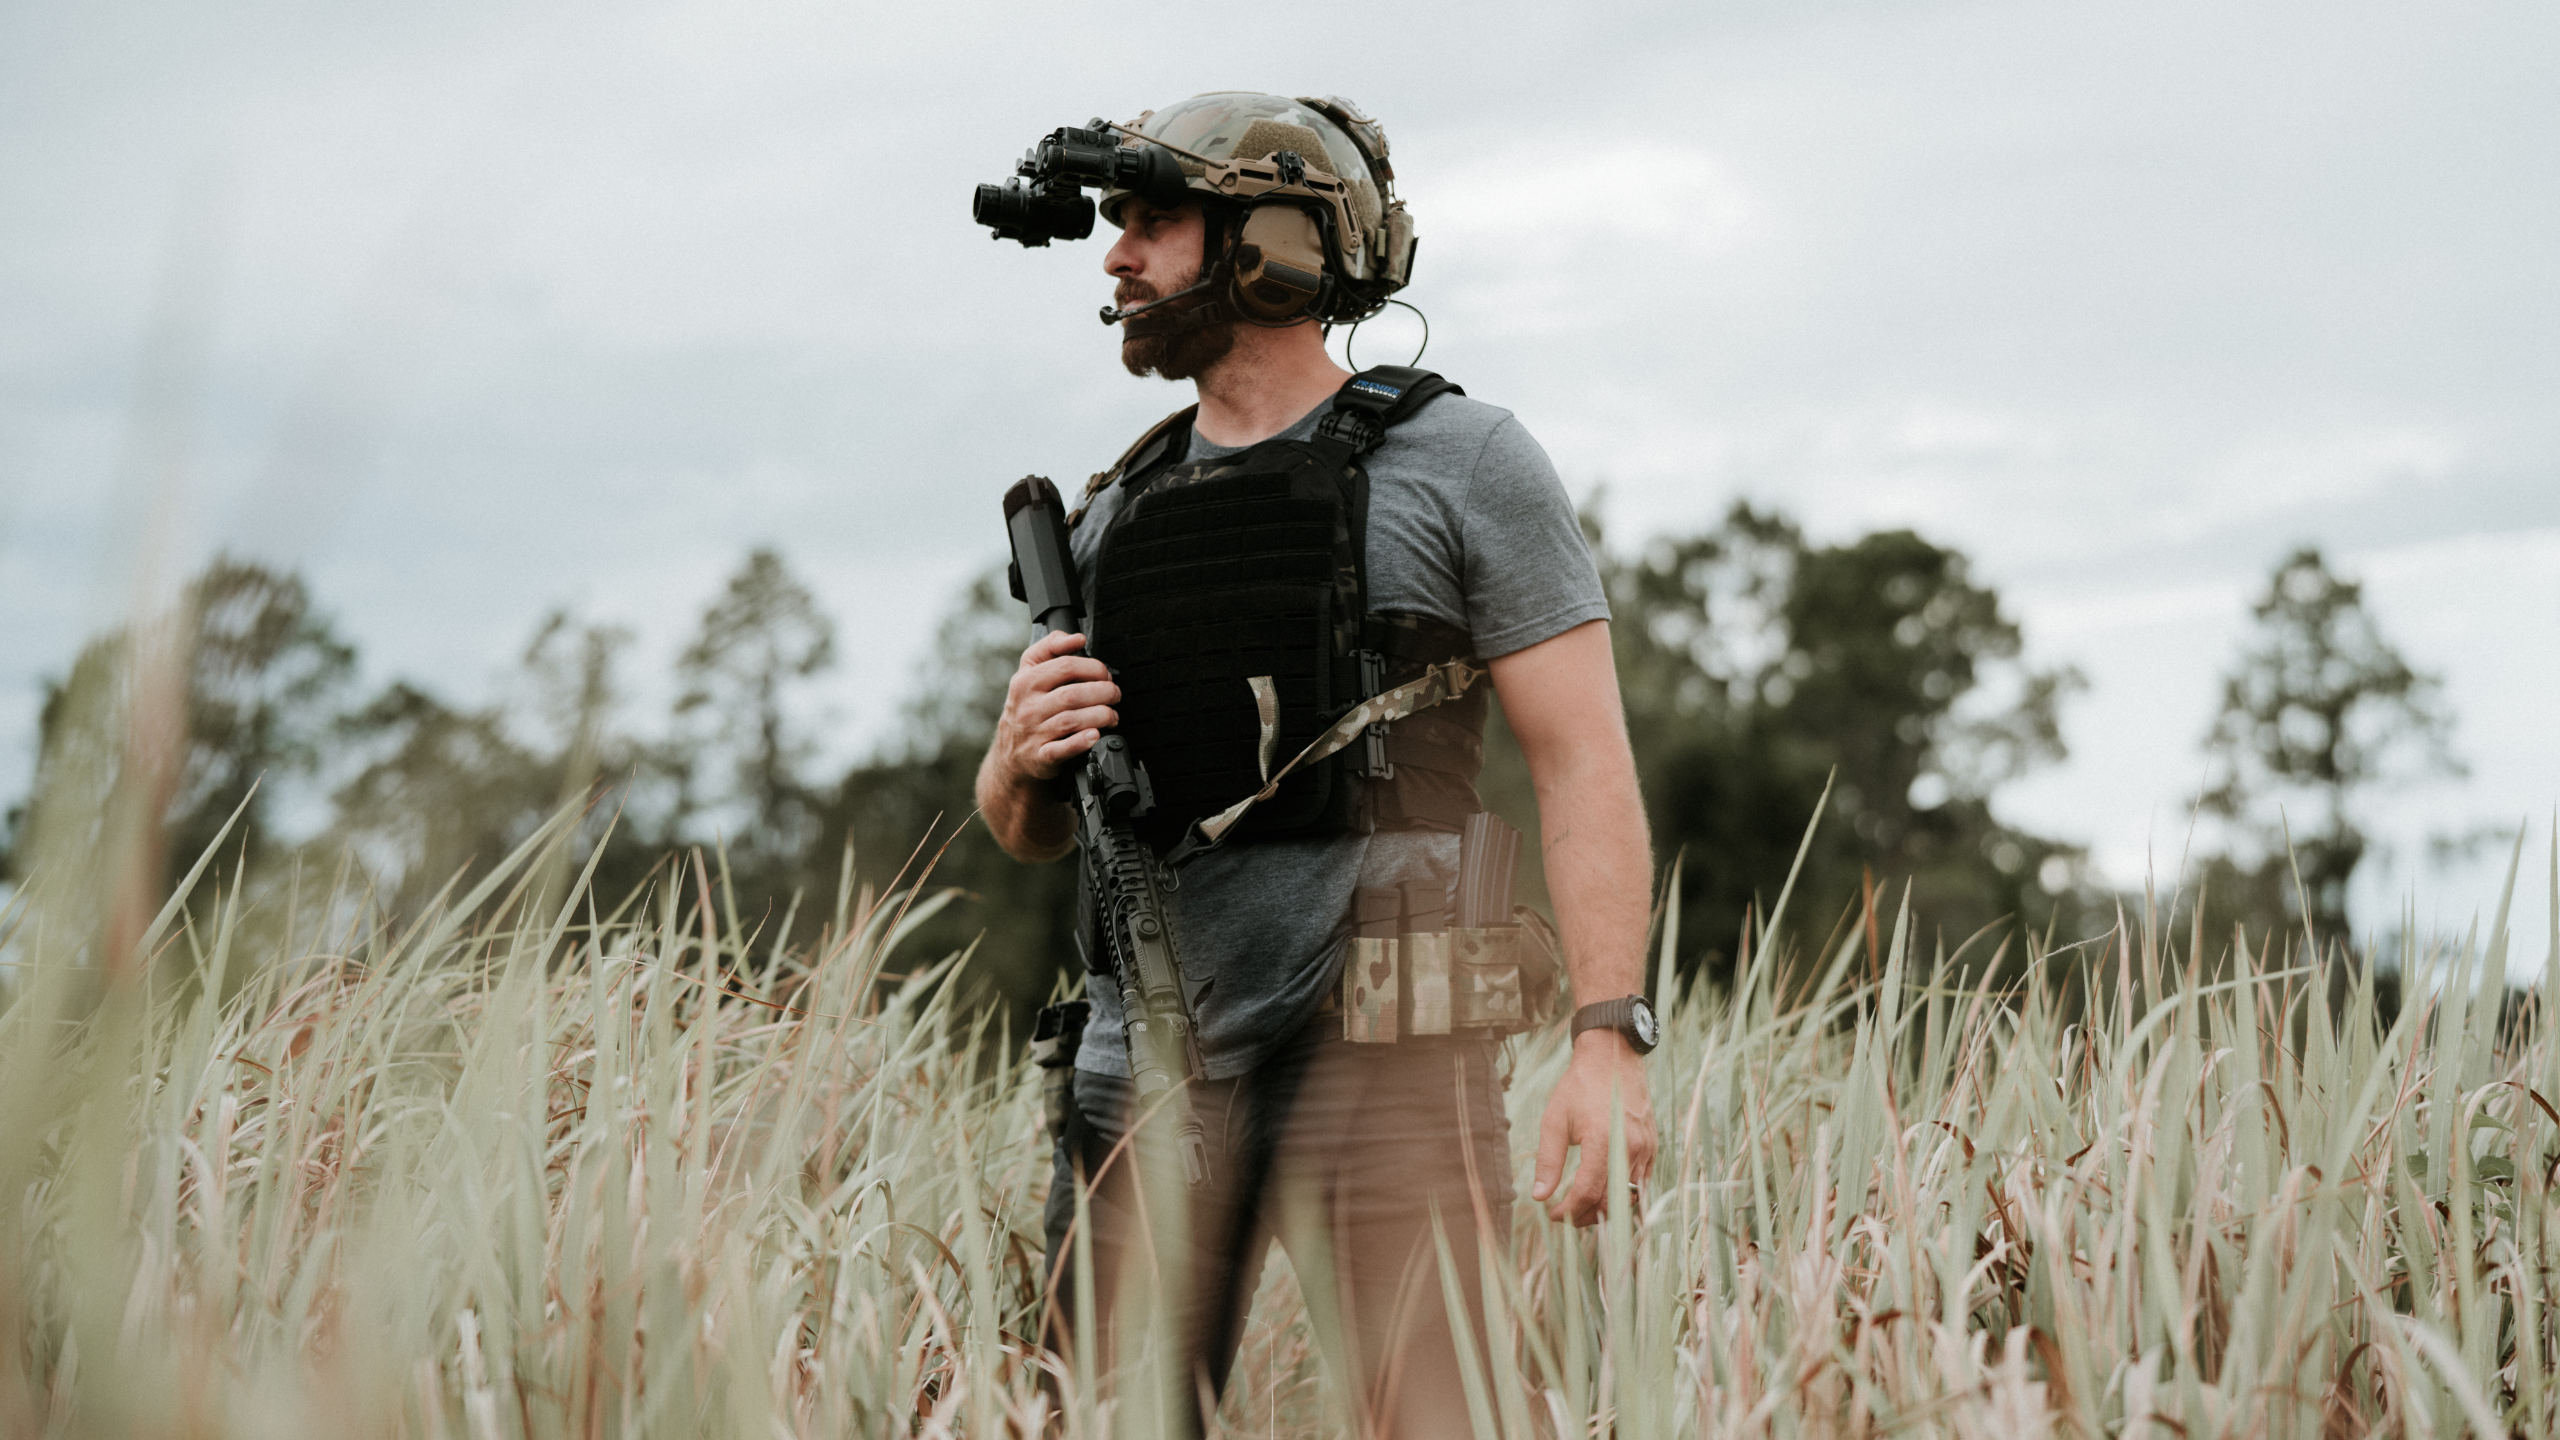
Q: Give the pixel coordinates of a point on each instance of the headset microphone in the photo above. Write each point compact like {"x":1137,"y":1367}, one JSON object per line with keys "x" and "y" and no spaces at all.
{"x":1112,"y":315}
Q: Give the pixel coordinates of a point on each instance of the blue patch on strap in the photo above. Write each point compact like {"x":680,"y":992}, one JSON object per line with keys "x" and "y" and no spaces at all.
{"x":1373,"y":387}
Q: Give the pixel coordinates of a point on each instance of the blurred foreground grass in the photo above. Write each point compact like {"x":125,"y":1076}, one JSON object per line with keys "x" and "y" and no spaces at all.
{"x":523,"y":1164}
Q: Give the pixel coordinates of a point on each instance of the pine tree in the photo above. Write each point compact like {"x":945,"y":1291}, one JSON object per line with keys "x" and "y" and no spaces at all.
{"x":2320,"y":711}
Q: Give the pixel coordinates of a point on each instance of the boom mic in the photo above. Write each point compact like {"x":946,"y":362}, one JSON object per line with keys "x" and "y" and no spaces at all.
{"x":1112,"y":315}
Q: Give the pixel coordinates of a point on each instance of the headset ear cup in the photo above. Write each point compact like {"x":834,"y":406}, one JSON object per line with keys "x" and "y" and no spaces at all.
{"x":1279,"y":263}
{"x":1271,"y":302}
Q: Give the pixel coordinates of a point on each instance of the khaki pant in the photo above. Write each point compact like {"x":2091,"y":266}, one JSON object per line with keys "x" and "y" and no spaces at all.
{"x":1338,"y":1152}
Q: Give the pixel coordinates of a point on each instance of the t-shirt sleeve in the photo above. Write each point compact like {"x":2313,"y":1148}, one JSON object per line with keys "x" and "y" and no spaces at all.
{"x":1528,"y":573}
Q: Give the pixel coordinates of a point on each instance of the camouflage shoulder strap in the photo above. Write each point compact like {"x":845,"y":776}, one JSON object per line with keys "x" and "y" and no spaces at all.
{"x":1437,"y":685}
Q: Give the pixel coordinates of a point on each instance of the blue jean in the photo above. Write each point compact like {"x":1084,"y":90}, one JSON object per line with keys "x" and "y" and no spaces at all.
{"x":1338,"y":1151}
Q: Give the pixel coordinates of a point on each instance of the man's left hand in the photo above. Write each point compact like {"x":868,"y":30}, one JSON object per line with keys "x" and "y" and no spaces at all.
{"x":1605,"y":1075}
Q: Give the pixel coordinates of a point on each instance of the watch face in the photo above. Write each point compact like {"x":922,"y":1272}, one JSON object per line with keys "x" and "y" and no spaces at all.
{"x":1648,"y":1027}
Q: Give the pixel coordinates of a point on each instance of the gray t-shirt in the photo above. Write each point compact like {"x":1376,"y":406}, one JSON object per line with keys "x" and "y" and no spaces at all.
{"x":1467,"y":524}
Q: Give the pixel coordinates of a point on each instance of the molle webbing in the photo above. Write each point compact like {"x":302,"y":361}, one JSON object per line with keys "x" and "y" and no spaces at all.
{"x":1208,"y":582}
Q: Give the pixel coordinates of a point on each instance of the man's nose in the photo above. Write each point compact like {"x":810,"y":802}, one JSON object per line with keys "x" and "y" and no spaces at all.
{"x":1121,"y":259}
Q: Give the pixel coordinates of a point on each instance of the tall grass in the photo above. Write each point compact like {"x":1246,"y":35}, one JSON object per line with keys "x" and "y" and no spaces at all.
{"x":524,"y":1164}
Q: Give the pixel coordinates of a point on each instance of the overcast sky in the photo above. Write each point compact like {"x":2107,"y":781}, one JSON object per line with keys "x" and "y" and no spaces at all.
{"x":504,"y":307}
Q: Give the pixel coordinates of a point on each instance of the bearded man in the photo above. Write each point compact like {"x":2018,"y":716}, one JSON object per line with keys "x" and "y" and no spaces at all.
{"x":1297,"y":542}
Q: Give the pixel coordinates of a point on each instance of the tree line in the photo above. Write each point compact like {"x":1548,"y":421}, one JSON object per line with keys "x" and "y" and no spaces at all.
{"x":1762,"y":672}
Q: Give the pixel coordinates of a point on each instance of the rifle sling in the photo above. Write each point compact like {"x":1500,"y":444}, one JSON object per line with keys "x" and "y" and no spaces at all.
{"x":1438,"y":685}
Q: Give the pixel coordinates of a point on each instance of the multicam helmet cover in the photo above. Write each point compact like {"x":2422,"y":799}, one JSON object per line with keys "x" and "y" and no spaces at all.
{"x":1246,"y":125}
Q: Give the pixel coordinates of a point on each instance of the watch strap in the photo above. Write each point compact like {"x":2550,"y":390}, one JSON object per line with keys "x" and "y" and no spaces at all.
{"x":1618,"y":1015}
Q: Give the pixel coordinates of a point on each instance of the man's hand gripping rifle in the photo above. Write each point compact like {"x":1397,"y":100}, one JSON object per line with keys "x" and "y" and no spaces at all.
{"x":1127,"y":884}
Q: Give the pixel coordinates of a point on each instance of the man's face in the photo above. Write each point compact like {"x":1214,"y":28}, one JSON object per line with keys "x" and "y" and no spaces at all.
{"x":1158,"y":254}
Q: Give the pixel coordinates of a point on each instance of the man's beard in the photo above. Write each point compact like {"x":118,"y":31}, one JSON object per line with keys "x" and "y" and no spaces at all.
{"x":1175,"y":357}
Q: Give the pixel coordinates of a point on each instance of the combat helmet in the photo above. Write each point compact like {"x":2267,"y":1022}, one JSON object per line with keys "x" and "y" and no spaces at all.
{"x":1304,"y":223}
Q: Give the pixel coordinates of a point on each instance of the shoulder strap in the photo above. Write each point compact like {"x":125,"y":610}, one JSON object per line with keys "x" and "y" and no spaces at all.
{"x":1377,"y":398}
{"x":1161,"y":441}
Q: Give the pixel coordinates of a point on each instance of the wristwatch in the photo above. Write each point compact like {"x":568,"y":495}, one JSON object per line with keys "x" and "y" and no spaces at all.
{"x":1630,"y":1015}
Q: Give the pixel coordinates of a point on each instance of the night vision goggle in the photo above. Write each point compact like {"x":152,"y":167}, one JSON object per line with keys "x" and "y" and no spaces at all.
{"x":1045,"y":200}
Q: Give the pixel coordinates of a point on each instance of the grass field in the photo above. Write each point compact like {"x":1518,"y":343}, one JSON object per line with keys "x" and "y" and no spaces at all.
{"x":525,"y":1165}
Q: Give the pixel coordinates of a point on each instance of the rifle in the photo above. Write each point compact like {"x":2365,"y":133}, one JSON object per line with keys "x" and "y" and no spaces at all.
{"x":1127,"y":885}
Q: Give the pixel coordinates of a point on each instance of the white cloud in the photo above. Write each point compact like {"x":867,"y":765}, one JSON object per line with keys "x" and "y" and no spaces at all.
{"x":1579,"y":231}
{"x":1560,"y":196}
{"x":2267,"y":475}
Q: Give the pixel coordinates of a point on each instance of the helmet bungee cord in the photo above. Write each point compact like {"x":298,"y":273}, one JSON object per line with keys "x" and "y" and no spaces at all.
{"x":1349,"y":364}
{"x":1301,"y":221}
